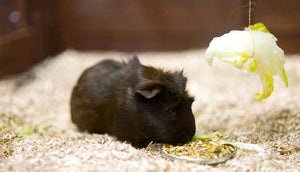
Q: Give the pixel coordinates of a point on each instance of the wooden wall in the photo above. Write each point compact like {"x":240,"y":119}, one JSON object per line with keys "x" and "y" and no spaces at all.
{"x":26,"y":34}
{"x":48,"y":27}
{"x":150,"y":24}
{"x":283,"y":20}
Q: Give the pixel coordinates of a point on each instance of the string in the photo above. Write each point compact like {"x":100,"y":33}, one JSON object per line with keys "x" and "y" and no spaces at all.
{"x":249,"y":13}
{"x":249,"y":20}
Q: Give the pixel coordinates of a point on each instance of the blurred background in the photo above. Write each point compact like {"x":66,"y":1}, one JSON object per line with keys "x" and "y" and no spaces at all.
{"x":32,"y":30}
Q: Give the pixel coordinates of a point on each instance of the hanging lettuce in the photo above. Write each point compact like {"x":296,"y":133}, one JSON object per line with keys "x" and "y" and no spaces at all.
{"x":251,"y":50}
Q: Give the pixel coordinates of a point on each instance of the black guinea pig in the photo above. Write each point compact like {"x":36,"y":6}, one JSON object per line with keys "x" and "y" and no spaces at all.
{"x":133,"y":102}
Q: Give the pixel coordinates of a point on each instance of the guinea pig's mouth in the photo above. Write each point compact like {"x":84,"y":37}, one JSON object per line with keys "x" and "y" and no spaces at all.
{"x":181,"y":138}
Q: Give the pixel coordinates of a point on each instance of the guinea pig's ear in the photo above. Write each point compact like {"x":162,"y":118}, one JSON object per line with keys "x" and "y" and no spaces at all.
{"x":149,"y":89}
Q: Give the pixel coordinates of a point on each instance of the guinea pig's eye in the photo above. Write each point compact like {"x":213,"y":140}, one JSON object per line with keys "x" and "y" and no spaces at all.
{"x":171,"y":113}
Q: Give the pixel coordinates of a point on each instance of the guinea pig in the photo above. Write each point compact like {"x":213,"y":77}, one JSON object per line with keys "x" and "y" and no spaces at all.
{"x":133,"y":102}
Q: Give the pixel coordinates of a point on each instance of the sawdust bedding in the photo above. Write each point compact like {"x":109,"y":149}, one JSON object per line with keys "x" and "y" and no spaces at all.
{"x":36,"y":133}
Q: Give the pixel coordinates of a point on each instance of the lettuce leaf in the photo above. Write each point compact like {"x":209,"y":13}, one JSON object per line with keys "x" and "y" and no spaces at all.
{"x":26,"y":131}
{"x":251,"y":50}
{"x":259,"y":27}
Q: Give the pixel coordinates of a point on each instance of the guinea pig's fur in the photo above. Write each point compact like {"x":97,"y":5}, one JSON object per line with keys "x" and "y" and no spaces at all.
{"x":133,"y":102}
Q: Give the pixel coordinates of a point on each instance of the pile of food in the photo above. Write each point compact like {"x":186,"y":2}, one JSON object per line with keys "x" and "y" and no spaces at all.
{"x":205,"y":147}
{"x":199,"y":150}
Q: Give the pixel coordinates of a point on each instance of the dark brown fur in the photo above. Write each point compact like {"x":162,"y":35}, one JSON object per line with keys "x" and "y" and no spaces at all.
{"x":133,"y":102}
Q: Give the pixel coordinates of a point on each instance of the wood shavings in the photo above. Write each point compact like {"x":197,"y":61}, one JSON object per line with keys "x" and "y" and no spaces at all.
{"x":43,"y":102}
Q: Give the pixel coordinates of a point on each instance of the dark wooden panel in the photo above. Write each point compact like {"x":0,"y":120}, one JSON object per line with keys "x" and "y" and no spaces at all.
{"x":30,"y":39}
{"x":7,"y":7}
{"x":132,"y":25}
{"x":282,"y":19}
{"x":19,"y":50}
{"x":152,"y":25}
